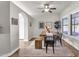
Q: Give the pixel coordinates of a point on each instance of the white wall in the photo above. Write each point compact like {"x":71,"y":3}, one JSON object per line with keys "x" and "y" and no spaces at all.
{"x":44,"y":17}
{"x":9,"y":34}
{"x":4,"y":28}
{"x":14,"y":12}
{"x":14,"y":29}
{"x":72,"y":8}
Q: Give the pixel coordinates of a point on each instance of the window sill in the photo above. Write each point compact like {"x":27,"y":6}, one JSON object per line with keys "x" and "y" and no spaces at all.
{"x":73,"y":41}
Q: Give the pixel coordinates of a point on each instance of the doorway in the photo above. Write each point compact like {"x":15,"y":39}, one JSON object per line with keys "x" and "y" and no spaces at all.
{"x":23,"y":26}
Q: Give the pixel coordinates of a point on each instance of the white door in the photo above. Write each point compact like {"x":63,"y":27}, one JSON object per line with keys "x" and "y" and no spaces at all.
{"x":21,"y":26}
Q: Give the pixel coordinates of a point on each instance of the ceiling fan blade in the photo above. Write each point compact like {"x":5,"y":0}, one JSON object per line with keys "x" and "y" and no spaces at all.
{"x":50,"y":11}
{"x":53,"y":8}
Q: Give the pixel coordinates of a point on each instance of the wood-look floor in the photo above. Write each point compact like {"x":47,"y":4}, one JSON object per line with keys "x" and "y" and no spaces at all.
{"x":26,"y":51}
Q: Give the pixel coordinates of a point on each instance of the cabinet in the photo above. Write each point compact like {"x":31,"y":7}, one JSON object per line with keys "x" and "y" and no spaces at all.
{"x":38,"y":43}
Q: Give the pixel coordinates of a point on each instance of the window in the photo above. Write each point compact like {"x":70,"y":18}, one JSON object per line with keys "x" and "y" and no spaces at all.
{"x":75,"y":24}
{"x":65,"y":25}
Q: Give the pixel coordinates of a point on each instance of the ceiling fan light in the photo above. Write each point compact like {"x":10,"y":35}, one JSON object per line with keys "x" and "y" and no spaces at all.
{"x":46,"y":6}
{"x":46,"y":10}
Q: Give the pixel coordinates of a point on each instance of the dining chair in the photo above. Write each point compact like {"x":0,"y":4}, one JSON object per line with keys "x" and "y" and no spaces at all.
{"x":49,"y":41}
{"x":59,"y":37}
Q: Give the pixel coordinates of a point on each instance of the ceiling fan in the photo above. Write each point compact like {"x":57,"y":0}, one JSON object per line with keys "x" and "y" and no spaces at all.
{"x":46,"y":8}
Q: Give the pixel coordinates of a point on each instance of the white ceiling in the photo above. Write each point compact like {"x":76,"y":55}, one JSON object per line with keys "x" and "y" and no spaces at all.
{"x":32,"y":6}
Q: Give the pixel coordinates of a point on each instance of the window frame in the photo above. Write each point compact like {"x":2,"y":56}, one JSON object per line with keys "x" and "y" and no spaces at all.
{"x":73,"y":19}
{"x":63,"y":24}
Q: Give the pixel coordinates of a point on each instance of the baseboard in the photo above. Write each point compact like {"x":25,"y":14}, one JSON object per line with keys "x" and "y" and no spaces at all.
{"x":72,"y":49}
{"x":11,"y":53}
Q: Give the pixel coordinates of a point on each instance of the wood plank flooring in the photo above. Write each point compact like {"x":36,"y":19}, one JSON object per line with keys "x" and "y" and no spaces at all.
{"x":27,"y":49}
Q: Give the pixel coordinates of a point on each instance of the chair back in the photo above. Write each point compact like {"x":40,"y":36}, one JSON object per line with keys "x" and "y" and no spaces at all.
{"x":49,"y":37}
{"x":60,"y":35}
{"x":55,"y":37}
